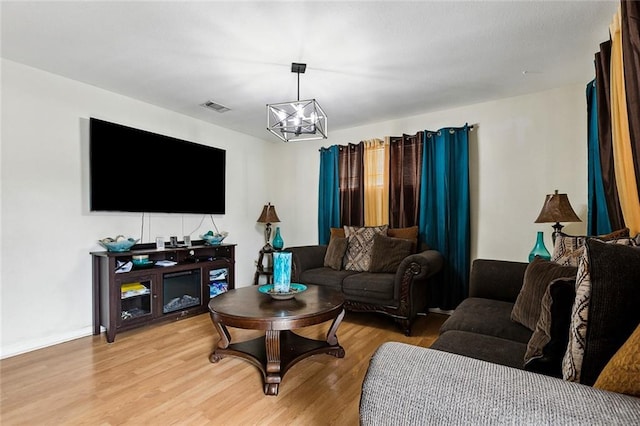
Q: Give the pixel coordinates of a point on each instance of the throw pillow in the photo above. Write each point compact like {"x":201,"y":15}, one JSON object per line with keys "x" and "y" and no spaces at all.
{"x":335,"y":253}
{"x":387,"y":253}
{"x":410,"y":233}
{"x":622,"y":372}
{"x":548,"y":342}
{"x":537,"y":276}
{"x":360,"y":246}
{"x":337,"y":232}
{"x":567,"y":248}
{"x":605,"y":311}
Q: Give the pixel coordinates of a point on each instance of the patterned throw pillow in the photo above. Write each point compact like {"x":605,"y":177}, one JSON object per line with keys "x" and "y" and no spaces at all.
{"x":360,"y":246}
{"x":568,"y":249}
{"x":605,"y":310}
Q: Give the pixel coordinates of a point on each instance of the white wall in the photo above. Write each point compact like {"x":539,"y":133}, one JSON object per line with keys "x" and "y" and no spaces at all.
{"x":521,"y":149}
{"x":47,"y":230}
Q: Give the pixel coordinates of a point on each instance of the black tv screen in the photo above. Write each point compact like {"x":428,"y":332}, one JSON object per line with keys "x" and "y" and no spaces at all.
{"x":133,"y":170}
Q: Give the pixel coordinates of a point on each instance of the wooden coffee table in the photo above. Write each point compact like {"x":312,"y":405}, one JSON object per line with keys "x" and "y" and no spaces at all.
{"x":280,"y":348}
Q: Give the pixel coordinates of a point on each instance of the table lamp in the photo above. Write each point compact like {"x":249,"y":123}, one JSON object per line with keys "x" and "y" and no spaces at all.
{"x":268,"y":216}
{"x":556,"y":208}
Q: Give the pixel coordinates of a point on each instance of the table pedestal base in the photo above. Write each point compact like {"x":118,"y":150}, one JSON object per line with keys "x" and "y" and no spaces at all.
{"x":277,"y":351}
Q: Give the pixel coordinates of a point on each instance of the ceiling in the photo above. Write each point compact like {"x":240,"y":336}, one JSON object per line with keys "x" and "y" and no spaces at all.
{"x":367,"y":61}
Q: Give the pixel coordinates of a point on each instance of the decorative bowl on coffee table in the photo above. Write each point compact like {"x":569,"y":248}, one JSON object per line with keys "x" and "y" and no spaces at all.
{"x":294,"y":289}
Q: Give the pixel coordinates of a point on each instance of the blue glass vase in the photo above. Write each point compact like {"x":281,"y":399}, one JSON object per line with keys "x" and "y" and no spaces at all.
{"x":277,"y":243}
{"x":539,"y":249}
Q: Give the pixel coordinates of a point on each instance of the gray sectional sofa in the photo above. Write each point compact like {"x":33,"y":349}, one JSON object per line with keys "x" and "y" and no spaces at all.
{"x":529,"y":346}
{"x":411,"y":385}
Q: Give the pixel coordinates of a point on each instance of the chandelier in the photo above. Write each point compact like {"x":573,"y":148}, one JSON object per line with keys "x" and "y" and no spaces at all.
{"x":297,"y":120}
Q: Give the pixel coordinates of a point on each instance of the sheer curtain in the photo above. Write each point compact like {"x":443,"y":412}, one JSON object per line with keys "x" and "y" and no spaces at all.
{"x":351,"y":172}
{"x":376,"y":182}
{"x":445,"y":212}
{"x":405,"y":158}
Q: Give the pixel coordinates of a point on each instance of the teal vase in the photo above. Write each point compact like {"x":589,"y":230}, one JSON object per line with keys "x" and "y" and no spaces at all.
{"x":278,"y":243}
{"x":539,"y":249}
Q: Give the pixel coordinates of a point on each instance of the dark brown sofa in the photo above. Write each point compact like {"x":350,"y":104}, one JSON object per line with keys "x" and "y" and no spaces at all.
{"x":400,"y":295}
{"x":483,"y":326}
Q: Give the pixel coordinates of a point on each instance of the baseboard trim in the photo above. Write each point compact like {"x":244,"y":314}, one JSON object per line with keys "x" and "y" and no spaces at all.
{"x":35,"y":344}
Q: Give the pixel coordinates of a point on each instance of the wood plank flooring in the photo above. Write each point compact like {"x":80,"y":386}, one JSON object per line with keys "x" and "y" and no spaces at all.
{"x":161,"y":375}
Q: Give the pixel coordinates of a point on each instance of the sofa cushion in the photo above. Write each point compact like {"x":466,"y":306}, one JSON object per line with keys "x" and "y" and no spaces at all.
{"x":335,"y":253}
{"x":548,"y":343}
{"x":337,"y":232}
{"x":537,"y":277}
{"x":605,"y":311}
{"x":482,"y":346}
{"x":387,"y":253}
{"x":489,"y":317}
{"x":622,"y":372}
{"x":325,"y":276}
{"x":365,"y":286}
{"x":410,"y":233}
{"x":358,"y":255}
{"x":567,"y":248}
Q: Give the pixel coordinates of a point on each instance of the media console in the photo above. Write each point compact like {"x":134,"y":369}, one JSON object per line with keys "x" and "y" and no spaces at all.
{"x":152,"y":293}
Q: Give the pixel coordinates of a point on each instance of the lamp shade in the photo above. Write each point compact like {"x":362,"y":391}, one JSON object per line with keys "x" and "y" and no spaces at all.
{"x":268,"y":214}
{"x":557,"y":208}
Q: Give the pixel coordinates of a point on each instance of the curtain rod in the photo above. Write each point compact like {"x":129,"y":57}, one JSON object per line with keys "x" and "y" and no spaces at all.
{"x":469,"y":126}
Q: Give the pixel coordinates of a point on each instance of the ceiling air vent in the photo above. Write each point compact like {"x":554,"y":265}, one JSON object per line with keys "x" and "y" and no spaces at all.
{"x":216,"y":107}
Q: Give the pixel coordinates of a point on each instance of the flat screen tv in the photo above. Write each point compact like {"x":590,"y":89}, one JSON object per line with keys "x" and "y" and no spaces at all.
{"x":133,"y":170}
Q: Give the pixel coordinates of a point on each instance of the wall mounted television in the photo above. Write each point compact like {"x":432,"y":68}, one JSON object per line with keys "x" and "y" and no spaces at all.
{"x":134,"y":170}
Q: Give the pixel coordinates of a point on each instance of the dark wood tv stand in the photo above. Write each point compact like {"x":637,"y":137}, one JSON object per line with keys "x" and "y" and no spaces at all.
{"x":158,"y":293}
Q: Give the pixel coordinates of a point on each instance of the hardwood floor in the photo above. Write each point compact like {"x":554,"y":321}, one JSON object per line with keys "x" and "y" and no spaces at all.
{"x":161,"y":375}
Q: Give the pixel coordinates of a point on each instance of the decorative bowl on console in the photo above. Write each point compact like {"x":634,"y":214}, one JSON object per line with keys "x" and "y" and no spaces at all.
{"x":117,"y":244}
{"x":213,"y":239}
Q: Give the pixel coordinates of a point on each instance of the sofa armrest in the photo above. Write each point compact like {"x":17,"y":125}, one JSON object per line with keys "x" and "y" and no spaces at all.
{"x":411,"y":284}
{"x":306,"y":257}
{"x":407,"y":384}
{"x":496,"y":279}
{"x":421,"y":265}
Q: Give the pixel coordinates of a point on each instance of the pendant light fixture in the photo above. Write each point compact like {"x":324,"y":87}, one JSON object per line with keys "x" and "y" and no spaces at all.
{"x":297,"y":120}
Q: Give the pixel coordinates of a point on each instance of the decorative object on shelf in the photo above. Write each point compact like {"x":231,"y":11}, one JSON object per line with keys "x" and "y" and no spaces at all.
{"x":294,"y":289}
{"x":556,"y":208}
{"x":214,"y":239}
{"x":539,"y":249}
{"x":268,"y":216}
{"x":282,"y":271}
{"x":141,"y":261}
{"x":278,"y":242}
{"x":297,"y":120}
{"x":117,"y":244}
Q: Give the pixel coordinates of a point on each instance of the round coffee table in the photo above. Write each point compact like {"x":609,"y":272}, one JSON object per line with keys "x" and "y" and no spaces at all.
{"x":280,"y":348}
